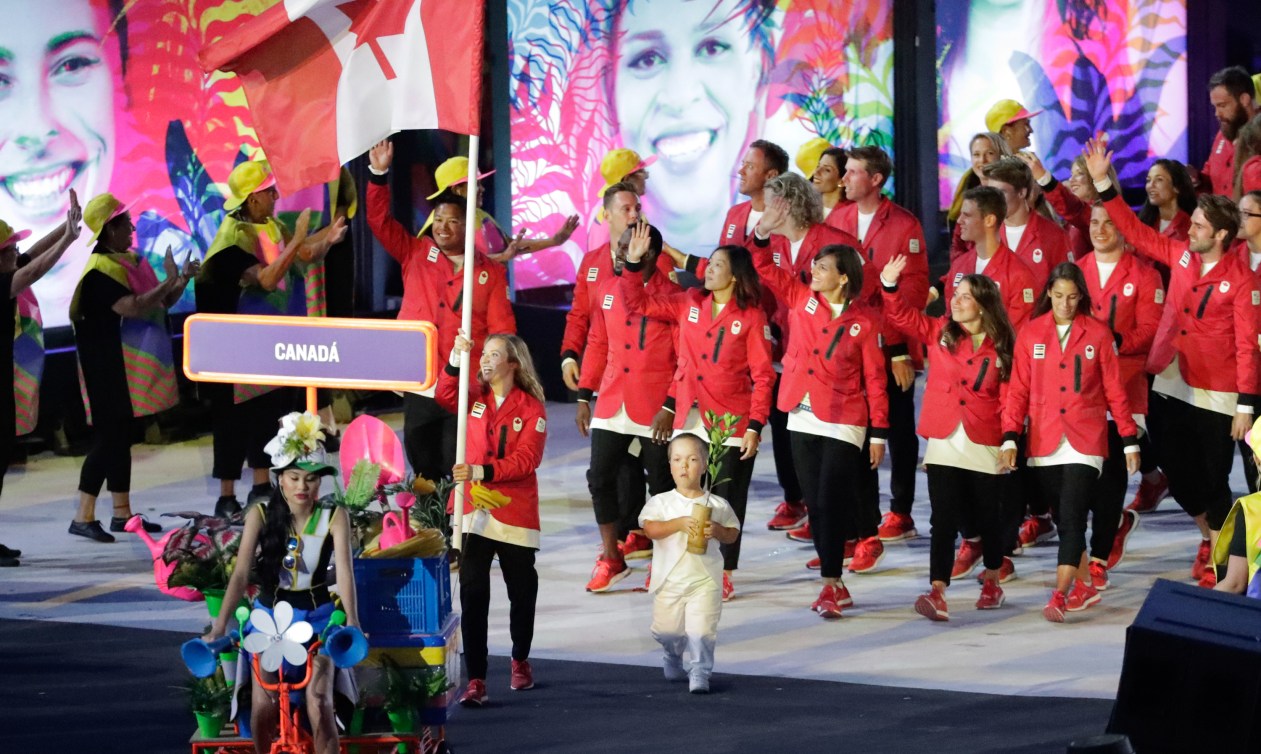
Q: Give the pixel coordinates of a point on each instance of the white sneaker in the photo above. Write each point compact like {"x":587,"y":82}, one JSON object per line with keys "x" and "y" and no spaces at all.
{"x":698,"y":683}
{"x":673,"y":668}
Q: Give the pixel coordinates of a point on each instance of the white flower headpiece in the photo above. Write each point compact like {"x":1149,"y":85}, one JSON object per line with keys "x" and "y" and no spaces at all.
{"x":300,"y":439}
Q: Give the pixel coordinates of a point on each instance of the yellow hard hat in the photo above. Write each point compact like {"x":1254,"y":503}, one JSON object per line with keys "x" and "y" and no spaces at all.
{"x":808,"y":155}
{"x":99,"y":211}
{"x":1006,"y":111}
{"x":245,"y":179}
{"x":10,"y":237}
{"x":620,"y":163}
{"x":453,"y":172}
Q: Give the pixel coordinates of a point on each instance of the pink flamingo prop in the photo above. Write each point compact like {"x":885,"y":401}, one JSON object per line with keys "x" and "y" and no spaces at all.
{"x":369,"y":437}
{"x":162,"y":570}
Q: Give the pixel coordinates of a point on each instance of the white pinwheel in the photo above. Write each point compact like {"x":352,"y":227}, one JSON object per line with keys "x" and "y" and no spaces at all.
{"x":278,"y":639}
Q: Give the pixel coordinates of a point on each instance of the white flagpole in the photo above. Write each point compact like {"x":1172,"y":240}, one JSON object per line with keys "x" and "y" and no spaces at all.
{"x":466,"y":322}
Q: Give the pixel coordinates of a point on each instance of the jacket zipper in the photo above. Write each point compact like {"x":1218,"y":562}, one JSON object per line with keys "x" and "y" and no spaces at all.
{"x":840,"y":330}
{"x":1112,"y":314}
{"x":643,"y":331}
{"x":458,"y":299}
{"x":718,"y":343}
{"x":503,"y":442}
{"x":1199,"y":313}
{"x":1077,"y":373}
{"x":980,"y":375}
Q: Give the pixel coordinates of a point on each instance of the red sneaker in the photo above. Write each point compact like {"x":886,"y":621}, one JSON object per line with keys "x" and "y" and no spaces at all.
{"x":932,"y":605}
{"x":1209,"y":579}
{"x":814,"y":564}
{"x":1129,"y":522}
{"x":1149,"y":495}
{"x":522,"y":675}
{"x":850,"y":546}
{"x":966,"y":559}
{"x":1099,"y":573}
{"x":728,"y":591}
{"x":607,"y":573}
{"x":867,"y":555}
{"x":1056,"y":607}
{"x":895,"y":527}
{"x":1036,"y":529}
{"x":636,"y":547}
{"x":826,"y":605}
{"x":801,"y":534}
{"x":991,"y":596}
{"x":647,"y":581}
{"x":787,"y":516}
{"x":1083,"y":596}
{"x":475,"y":694}
{"x":1201,"y":560}
{"x":1006,"y":572}
{"x":842,"y":596}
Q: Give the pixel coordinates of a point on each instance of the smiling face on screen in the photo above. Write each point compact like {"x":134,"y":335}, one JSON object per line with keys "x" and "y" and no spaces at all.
{"x":685,"y":90}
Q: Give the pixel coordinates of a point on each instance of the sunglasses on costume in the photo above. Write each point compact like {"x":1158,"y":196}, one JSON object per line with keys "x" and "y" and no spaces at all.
{"x":293,"y":548}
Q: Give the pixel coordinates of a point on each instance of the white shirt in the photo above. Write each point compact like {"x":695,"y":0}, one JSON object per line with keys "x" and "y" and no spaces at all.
{"x":1254,"y":259}
{"x":669,"y":552}
{"x":795,"y":249}
{"x":1065,"y":454}
{"x":864,"y":222}
{"x":981,"y":264}
{"x":754,"y":216}
{"x":1164,"y":224}
{"x":959,"y":451}
{"x":1014,"y":234}
{"x":622,"y":424}
{"x":1105,"y":271}
{"x":1170,"y":384}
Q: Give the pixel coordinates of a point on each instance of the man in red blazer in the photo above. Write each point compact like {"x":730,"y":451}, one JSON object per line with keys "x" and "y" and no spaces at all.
{"x":1234,"y":99}
{"x":886,"y":231}
{"x":1038,"y":241}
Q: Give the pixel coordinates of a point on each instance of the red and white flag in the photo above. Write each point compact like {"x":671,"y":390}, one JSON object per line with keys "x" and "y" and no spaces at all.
{"x":327,"y":79}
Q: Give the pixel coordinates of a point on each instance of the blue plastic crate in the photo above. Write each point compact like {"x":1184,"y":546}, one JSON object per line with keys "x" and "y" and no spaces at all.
{"x":403,"y":596}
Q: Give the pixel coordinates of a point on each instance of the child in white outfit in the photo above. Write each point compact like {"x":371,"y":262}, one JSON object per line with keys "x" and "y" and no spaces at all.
{"x":687,"y":587}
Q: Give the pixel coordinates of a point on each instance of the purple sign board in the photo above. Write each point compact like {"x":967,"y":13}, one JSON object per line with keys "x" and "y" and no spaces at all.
{"x":364,"y":354}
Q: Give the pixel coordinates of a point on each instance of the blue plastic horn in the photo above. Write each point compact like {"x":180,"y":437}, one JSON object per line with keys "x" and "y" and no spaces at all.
{"x":201,"y":657}
{"x":346,"y":646}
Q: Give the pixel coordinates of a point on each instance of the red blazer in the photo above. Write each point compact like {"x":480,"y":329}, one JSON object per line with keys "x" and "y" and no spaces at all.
{"x":838,"y":362}
{"x":432,"y":287}
{"x":1218,"y":174}
{"x":1042,"y":246}
{"x":893,"y":232}
{"x":1251,"y":174}
{"x":630,"y":358}
{"x":833,"y":218}
{"x":1076,"y":214}
{"x":963,"y":383}
{"x":506,"y":441}
{"x":1067,"y":394}
{"x":1015,"y":280}
{"x":596,"y":266}
{"x":724,"y":362}
{"x":1210,"y":322}
{"x":733,"y":227}
{"x":1130,"y":304}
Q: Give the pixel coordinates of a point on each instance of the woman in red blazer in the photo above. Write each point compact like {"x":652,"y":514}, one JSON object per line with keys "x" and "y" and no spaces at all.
{"x":1066,"y":378}
{"x":970,"y":358}
{"x":724,"y":353}
{"x":507,"y":427}
{"x":834,"y":393}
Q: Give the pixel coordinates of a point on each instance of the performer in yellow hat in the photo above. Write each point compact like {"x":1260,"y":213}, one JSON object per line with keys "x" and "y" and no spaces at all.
{"x":18,"y":272}
{"x":250,"y":269}
{"x":1010,"y":119}
{"x":125,"y":360}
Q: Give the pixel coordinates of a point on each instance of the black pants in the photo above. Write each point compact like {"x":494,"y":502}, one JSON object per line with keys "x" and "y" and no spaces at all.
{"x":903,"y":447}
{"x":517,"y":565}
{"x":829,"y":472}
{"x":240,"y":430}
{"x":1249,"y":465}
{"x":864,"y":521}
{"x":781,"y":450}
{"x":1069,"y":491}
{"x":735,"y":476}
{"x":1110,"y":494}
{"x":612,"y":464}
{"x":8,"y":427}
{"x":109,"y":459}
{"x":1196,"y":452}
{"x":428,"y":436}
{"x":959,"y":496}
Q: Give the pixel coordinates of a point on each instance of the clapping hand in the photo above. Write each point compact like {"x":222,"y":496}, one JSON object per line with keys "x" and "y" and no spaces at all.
{"x":74,"y":217}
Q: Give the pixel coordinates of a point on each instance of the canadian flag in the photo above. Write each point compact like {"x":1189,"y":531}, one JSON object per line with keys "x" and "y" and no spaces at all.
{"x":327,"y":79}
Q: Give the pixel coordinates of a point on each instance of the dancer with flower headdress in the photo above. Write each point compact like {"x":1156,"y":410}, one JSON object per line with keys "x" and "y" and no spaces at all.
{"x":288,"y":545}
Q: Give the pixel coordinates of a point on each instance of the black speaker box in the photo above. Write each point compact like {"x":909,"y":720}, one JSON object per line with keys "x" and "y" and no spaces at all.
{"x":1191,"y":680}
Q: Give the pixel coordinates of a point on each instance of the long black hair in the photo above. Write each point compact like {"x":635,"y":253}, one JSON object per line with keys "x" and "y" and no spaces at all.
{"x":1072,"y":273}
{"x":849,"y":263}
{"x":994,"y":322}
{"x":277,"y":526}
{"x":1181,"y":180}
{"x":747,"y":287}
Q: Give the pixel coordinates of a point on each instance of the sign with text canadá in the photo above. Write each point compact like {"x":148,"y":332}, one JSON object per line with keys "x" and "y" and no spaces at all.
{"x":330,"y":352}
